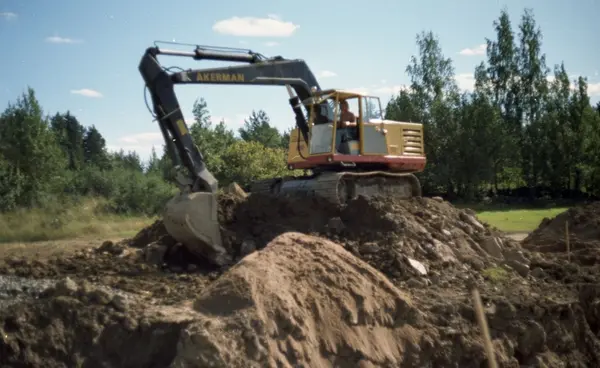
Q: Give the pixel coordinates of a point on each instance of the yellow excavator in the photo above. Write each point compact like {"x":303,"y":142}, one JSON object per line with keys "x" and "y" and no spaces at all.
{"x":341,"y":140}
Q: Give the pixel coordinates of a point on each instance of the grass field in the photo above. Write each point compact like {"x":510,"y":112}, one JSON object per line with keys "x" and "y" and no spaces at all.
{"x":517,"y":220}
{"x":85,"y":220}
{"x":88,"y":220}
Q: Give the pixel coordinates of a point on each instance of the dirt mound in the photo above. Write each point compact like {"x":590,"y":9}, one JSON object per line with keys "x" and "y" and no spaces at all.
{"x":149,"y":234}
{"x":584,"y":230}
{"x":423,"y":240}
{"x":403,"y":239}
{"x":301,"y":301}
{"x":415,"y":243}
{"x":304,"y":301}
{"x":294,"y":298}
{"x":79,"y":324}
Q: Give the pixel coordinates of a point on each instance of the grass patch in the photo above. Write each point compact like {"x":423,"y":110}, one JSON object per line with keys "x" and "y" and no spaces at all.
{"x":522,"y":220}
{"x":515,"y":218}
{"x":85,"y":219}
{"x":496,"y":275}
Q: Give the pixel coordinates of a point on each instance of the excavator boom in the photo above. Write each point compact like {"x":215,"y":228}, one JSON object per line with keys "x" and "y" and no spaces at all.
{"x":191,"y":217}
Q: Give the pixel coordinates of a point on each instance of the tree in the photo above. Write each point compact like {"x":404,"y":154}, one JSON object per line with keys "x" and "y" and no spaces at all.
{"x":70,"y":136}
{"x":257,"y":128}
{"x":154,"y":164}
{"x":94,"y":148}
{"x":212,"y":141}
{"x":532,"y":94}
{"x":499,"y":83}
{"x":201,"y":114}
{"x":249,"y":161}
{"x":129,"y":161}
{"x":31,"y":149}
{"x":434,"y":99}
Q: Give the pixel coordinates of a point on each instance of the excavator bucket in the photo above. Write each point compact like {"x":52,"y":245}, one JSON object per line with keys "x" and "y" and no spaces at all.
{"x":192,"y":219}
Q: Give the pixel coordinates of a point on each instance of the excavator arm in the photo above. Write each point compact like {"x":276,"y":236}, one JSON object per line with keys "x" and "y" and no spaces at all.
{"x":191,"y":217}
{"x":257,"y":70}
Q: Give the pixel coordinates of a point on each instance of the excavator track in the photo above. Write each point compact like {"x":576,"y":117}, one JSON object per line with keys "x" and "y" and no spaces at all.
{"x":339,"y":187}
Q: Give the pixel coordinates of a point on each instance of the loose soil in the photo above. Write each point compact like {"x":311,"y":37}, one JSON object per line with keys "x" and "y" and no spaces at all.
{"x":379,"y":283}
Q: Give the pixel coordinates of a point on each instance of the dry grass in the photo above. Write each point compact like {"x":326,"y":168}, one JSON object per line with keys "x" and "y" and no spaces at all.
{"x":86,"y":220}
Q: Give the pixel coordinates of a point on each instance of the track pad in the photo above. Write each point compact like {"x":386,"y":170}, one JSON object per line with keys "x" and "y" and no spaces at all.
{"x":192,"y":219}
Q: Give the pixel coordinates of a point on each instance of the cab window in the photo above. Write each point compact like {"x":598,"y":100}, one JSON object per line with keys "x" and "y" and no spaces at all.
{"x":372,"y":109}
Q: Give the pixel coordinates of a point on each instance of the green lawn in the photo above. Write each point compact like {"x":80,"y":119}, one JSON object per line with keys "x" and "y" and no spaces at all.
{"x":83,"y":220}
{"x":518,"y":220}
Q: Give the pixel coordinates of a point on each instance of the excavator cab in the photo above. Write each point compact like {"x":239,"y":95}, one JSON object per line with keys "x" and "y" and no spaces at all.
{"x":347,"y":129}
{"x":339,"y":131}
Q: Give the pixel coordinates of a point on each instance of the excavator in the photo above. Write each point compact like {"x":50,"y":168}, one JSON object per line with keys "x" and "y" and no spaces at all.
{"x":343,"y":153}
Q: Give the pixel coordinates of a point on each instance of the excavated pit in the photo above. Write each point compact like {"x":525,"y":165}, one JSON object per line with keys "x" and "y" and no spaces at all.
{"x":397,"y":272}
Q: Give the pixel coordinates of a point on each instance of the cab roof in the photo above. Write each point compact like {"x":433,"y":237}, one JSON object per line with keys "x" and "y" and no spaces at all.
{"x":339,"y":93}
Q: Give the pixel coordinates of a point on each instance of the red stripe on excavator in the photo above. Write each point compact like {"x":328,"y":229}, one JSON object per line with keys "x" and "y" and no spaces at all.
{"x":398,"y":162}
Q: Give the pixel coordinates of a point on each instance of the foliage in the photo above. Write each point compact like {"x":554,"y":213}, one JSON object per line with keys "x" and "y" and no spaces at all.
{"x":45,"y":161}
{"x":518,"y":131}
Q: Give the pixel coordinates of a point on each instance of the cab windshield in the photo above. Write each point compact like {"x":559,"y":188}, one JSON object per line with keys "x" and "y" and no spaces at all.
{"x":371,"y":107}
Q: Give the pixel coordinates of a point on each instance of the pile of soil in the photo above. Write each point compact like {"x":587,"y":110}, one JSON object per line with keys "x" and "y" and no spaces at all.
{"x":301,"y":301}
{"x":378,"y":282}
{"x":548,"y":246}
{"x":417,"y":241}
{"x":402,"y":239}
{"x":583,"y":226}
{"x":77,"y":324}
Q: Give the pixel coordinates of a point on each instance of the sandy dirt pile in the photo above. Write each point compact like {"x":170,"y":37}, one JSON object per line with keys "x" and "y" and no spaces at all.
{"x":305,"y":301}
{"x":389,"y":288}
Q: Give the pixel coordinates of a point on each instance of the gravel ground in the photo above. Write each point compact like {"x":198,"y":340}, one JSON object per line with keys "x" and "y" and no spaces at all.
{"x":15,"y":289}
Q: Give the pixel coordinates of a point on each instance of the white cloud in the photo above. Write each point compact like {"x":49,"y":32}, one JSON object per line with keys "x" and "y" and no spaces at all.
{"x":465,"y":81}
{"x":86,"y":92}
{"x":8,"y":15}
{"x":383,"y":91}
{"x":272,"y":26}
{"x":271,"y":44}
{"x":390,"y":90}
{"x":142,"y":138}
{"x":141,"y":143}
{"x":58,"y":39}
{"x":478,"y":50}
{"x":594,"y":89}
{"x":361,"y":90}
{"x":326,"y":74}
{"x":237,"y":122}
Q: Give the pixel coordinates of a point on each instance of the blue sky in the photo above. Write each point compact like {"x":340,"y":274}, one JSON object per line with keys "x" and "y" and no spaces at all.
{"x":83,"y":56}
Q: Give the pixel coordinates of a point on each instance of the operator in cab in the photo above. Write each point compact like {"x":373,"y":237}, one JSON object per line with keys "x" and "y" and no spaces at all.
{"x":347,"y":125}
{"x":347,"y":118}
